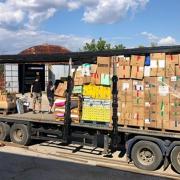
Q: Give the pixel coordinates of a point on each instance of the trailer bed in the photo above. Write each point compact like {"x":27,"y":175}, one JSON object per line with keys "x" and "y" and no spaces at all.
{"x":46,"y":118}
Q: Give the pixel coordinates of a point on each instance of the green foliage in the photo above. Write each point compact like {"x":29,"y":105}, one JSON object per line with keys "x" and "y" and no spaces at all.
{"x":154,"y":44}
{"x":141,"y":46}
{"x":101,"y":45}
{"x":1,"y":69}
{"x":119,"y":46}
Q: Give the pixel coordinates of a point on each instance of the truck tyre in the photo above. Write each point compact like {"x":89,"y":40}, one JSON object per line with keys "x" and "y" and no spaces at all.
{"x":146,"y":155}
{"x":19,"y":134}
{"x":175,"y":158}
{"x":4,"y":131}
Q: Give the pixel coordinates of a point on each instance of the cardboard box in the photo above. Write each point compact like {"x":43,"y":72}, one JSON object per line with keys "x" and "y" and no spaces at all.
{"x":97,"y":92}
{"x":163,"y":107}
{"x":61,"y":89}
{"x":137,"y":60}
{"x":137,"y":72}
{"x":124,"y":61}
{"x":78,"y":81}
{"x":153,"y":72}
{"x":161,"y":72}
{"x":163,"y":86}
{"x":93,"y":68}
{"x":150,"y":83}
{"x":86,"y":69}
{"x":125,"y":90}
{"x":78,"y":73}
{"x":138,"y":98}
{"x":105,"y":79}
{"x":172,"y":59}
{"x":86,"y":79}
{"x":161,"y":67}
{"x":123,"y":72}
{"x":96,"y":78}
{"x":137,"y":116}
{"x":78,"y":77}
{"x":103,"y":65}
{"x":125,"y":96}
{"x":96,"y":110}
{"x":77,"y":90}
{"x":147,"y":71}
{"x":125,"y":106}
{"x":170,"y":70}
{"x":177,"y":70}
{"x":151,"y":115}
{"x":124,"y":85}
{"x":138,"y":85}
{"x":172,"y":125}
{"x":174,"y":88}
{"x":150,"y":105}
{"x":157,"y":56}
{"x":120,"y":61}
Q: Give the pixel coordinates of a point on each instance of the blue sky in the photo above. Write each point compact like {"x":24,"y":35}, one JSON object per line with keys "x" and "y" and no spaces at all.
{"x":24,"y":23}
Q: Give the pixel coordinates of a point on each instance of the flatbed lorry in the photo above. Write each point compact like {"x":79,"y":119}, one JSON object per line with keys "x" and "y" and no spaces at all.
{"x":148,"y":148}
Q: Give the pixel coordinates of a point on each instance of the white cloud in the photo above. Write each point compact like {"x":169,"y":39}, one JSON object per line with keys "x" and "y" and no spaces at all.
{"x":30,"y":13}
{"x":167,"y":41}
{"x":110,"y":11}
{"x":161,"y":41}
{"x":16,"y":41}
{"x":150,"y":36}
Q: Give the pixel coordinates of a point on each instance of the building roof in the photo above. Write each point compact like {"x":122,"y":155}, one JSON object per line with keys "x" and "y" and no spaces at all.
{"x":45,"y":49}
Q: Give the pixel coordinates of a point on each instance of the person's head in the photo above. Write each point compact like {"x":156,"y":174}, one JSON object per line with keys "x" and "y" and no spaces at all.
{"x":50,"y":83}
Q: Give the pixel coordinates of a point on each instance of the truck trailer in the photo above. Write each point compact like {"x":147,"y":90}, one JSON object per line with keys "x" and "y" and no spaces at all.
{"x":148,"y":147}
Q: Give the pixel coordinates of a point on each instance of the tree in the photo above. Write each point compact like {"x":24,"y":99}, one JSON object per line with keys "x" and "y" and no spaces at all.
{"x":101,"y":45}
{"x":1,"y":69}
{"x":141,"y":46}
{"x":119,"y":46}
{"x":154,"y":44}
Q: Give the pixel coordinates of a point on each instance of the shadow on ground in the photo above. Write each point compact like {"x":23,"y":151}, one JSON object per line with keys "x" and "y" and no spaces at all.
{"x":20,"y":167}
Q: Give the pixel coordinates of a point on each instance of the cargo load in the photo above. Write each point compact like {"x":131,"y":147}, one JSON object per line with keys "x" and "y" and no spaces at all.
{"x":147,"y":91}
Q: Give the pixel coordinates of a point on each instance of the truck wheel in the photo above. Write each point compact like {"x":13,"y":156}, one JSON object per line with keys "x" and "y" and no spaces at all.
{"x":4,"y":131}
{"x":175,"y":158}
{"x":146,"y":155}
{"x":19,"y":134}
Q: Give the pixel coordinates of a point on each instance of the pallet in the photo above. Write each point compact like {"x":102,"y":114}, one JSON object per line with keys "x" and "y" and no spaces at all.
{"x":150,"y":128}
{"x":94,"y":123}
{"x":153,"y":128}
{"x":8,"y":111}
{"x":131,"y":126}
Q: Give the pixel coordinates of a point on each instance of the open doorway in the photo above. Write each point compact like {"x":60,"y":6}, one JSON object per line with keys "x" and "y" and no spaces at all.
{"x":29,"y":74}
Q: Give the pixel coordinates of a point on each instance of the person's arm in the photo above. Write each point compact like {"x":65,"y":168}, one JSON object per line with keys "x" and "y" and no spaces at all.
{"x":31,"y":90}
{"x":52,"y":88}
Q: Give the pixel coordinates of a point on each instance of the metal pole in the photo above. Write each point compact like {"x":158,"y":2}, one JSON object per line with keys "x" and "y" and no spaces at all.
{"x":67,"y":115}
{"x":23,"y":81}
{"x":114,"y":106}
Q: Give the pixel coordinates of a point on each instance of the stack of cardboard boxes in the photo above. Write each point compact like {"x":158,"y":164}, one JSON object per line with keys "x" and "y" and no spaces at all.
{"x":150,"y":102}
{"x":60,"y":101}
{"x":174,"y":108}
{"x":148,"y":90}
{"x":137,"y":63}
{"x":96,"y":105}
{"x":150,"y":98}
{"x":96,"y":110}
{"x":7,"y":101}
{"x":125,"y":101}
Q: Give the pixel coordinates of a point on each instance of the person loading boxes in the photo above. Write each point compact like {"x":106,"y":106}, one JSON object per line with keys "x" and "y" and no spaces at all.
{"x":36,"y":94}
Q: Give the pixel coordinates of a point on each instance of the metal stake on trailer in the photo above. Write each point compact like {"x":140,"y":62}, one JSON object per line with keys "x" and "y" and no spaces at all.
{"x":114,"y":107}
{"x":67,"y":115}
